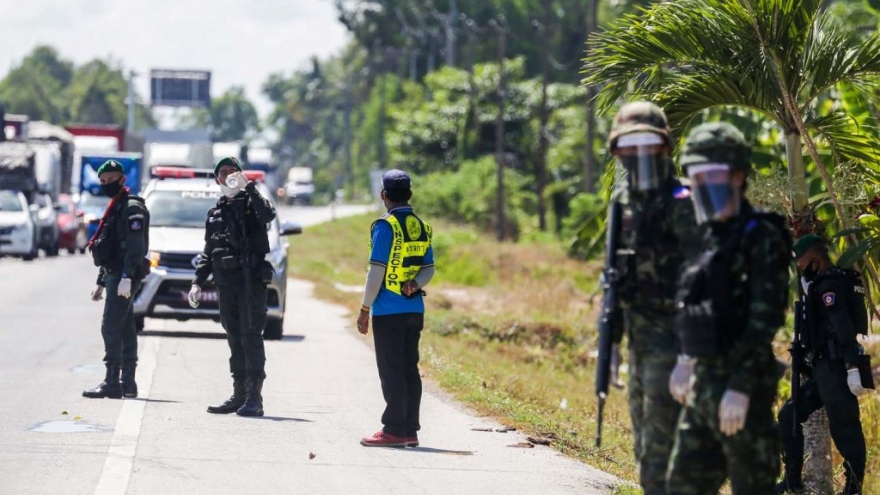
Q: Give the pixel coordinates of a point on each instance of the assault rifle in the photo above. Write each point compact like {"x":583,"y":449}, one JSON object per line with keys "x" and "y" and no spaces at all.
{"x":245,"y":246}
{"x":798,"y":353}
{"x":609,"y":318}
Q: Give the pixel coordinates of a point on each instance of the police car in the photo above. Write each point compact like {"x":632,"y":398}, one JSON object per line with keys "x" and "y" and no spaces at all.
{"x":179,"y":200}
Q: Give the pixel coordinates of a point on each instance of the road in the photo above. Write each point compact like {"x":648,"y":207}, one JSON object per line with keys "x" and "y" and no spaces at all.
{"x":321,"y":396}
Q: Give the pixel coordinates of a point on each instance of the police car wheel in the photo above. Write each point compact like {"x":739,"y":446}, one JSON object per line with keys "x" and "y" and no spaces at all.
{"x":274,"y":329}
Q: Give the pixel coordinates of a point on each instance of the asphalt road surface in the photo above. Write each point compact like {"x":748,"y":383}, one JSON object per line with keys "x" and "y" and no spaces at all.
{"x":321,"y":396}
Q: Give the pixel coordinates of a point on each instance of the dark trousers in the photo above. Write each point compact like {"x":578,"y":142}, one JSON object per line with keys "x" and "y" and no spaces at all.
{"x":826,"y":388}
{"x":117,"y":324}
{"x":245,"y":339}
{"x":396,"y":340}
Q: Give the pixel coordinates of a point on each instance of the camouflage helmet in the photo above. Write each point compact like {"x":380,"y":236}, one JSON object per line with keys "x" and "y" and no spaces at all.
{"x":639,"y":116}
{"x":716,"y":142}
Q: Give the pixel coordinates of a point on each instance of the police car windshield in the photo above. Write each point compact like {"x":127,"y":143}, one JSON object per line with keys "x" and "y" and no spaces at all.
{"x":187,"y":209}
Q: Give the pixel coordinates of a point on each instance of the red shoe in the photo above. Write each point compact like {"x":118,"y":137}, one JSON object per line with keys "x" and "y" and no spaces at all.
{"x":382,"y":439}
{"x":412,"y":441}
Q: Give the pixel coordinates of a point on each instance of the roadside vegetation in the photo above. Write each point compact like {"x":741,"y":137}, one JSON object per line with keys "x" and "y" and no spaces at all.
{"x":510,"y":331}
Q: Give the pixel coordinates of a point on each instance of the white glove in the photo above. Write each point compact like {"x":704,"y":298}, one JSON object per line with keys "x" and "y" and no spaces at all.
{"x":98,"y":293}
{"x":680,"y":379}
{"x":854,"y":380}
{"x":240,"y":180}
{"x":124,"y":289}
{"x":732,"y":412}
{"x":194,"y":293}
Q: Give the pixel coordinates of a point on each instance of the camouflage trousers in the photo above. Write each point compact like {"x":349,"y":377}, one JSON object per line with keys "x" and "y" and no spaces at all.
{"x":703,"y":457}
{"x":654,"y":415}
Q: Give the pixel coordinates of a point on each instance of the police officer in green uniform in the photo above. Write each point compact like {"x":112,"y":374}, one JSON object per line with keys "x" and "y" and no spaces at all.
{"x":236,"y":244}
{"x":731,"y":302}
{"x":836,"y":314}
{"x":658,"y":232}
{"x":401,"y":264}
{"x":119,"y":248}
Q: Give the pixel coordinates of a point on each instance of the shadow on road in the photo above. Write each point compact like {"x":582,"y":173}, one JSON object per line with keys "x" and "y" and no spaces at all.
{"x":280,"y":418}
{"x":158,"y":401}
{"x":429,"y":450}
{"x":183,"y":334}
{"x":293,"y":338}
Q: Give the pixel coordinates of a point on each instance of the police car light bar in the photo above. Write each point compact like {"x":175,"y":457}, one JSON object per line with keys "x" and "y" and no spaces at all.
{"x":255,"y":175}
{"x":172,"y":173}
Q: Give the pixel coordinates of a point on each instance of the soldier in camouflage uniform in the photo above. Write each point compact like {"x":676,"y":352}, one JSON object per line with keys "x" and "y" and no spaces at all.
{"x":731,"y":301}
{"x":658,"y":229}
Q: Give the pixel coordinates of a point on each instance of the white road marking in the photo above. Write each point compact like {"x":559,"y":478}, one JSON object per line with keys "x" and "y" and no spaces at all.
{"x":123,"y":447}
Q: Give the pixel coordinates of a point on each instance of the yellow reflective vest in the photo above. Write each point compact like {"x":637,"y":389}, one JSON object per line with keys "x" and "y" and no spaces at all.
{"x":411,"y":238}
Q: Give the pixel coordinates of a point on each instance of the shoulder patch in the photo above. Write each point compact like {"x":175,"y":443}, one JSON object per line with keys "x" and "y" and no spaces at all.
{"x":135,"y":225}
{"x":828,"y":298}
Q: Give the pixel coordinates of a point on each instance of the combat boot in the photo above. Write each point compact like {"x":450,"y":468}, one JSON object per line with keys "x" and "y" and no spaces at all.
{"x":853,"y":484}
{"x":232,"y":404}
{"x":129,"y":386}
{"x":109,"y":388}
{"x":253,"y":405}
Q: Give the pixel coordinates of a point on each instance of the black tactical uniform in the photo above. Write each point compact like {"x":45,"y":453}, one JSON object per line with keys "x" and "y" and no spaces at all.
{"x":230,"y":253}
{"x":120,"y":249}
{"x":835,"y":315}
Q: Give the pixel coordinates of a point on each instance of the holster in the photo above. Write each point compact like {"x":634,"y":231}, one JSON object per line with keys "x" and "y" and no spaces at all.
{"x":224,"y":259}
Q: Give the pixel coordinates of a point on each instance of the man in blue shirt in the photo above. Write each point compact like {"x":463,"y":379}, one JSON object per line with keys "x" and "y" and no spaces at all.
{"x":401,"y":263}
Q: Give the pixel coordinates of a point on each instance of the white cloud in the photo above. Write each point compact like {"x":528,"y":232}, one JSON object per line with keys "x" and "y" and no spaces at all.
{"x":240,"y":41}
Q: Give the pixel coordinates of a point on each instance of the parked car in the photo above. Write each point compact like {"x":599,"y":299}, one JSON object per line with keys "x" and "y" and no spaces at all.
{"x":71,"y":227}
{"x":47,"y":223}
{"x":93,"y":209}
{"x":179,"y":200}
{"x":18,"y":231}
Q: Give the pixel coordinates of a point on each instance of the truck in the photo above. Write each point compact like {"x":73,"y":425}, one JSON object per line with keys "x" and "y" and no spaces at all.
{"x":18,"y":189}
{"x":261,"y":159}
{"x":299,"y":187}
{"x":42,"y":133}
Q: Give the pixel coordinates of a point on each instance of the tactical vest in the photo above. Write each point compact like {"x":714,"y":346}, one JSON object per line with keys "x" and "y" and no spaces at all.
{"x":711,"y":316}
{"x":109,"y":248}
{"x":649,"y":255}
{"x":819,"y":329}
{"x":411,"y":238}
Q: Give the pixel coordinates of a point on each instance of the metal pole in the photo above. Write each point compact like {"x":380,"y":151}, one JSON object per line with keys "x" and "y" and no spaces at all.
{"x":543,"y":30}
{"x":130,"y":124}
{"x":501,"y":27}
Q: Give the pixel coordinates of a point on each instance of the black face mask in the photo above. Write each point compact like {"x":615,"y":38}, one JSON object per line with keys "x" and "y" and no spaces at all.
{"x":111,"y":189}
{"x":811,"y":271}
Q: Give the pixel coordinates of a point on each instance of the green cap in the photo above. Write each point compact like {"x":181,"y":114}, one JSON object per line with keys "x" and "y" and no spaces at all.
{"x":110,"y":166}
{"x":802,"y":245}
{"x":639,"y":116}
{"x":716,"y":142}
{"x":229,"y":160}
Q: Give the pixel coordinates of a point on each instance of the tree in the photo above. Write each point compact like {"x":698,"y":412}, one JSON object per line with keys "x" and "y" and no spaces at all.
{"x":98,"y":92}
{"x":232,"y":117}
{"x":37,"y":87}
{"x":781,"y":58}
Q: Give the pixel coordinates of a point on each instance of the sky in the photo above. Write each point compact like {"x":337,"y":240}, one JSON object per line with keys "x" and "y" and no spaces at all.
{"x":240,"y":41}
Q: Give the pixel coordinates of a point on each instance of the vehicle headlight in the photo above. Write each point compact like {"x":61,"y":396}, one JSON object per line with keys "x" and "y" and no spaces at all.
{"x":155,"y":258}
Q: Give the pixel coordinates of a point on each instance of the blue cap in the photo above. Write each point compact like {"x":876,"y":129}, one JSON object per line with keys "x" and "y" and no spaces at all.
{"x":396,"y":179}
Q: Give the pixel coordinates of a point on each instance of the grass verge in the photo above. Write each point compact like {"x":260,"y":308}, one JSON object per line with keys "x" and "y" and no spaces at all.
{"x":511,"y":333}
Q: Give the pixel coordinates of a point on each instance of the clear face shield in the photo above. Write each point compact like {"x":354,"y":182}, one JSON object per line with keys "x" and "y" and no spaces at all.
{"x":642,"y":158}
{"x":715,"y":197}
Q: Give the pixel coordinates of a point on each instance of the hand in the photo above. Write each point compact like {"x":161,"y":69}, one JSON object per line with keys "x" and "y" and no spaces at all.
{"x":615,"y":380}
{"x":410,"y":287}
{"x":854,"y":381}
{"x":195,"y":293}
{"x":363,"y":321}
{"x":240,"y":179}
{"x":732,"y":412}
{"x":124,"y":289}
{"x":98,"y":293}
{"x":680,"y":379}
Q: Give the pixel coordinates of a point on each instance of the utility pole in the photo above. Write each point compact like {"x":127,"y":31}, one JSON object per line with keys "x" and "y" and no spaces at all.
{"x":500,"y":26}
{"x":589,"y":155}
{"x":543,"y":29}
{"x":130,"y":124}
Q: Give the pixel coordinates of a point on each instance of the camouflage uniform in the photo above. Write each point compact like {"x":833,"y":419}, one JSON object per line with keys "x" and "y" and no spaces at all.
{"x":657,"y":229}
{"x":743,"y":274}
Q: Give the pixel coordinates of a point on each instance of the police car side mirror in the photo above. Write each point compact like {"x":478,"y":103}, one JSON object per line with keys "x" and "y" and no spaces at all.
{"x":290,"y":228}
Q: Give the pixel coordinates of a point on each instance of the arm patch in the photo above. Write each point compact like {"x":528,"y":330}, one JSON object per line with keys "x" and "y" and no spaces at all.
{"x":828,"y":298}
{"x":135,"y":224}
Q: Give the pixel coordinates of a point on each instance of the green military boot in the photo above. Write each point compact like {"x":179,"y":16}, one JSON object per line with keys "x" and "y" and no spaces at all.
{"x":109,"y":388}
{"x":129,"y":387}
{"x":239,"y":393}
{"x":253,"y":405}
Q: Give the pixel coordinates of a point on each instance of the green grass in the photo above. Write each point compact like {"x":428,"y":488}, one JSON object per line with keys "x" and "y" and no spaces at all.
{"x":509,"y":331}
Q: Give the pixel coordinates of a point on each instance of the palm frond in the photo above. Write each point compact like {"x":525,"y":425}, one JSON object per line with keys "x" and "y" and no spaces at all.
{"x":836,"y":53}
{"x":848,"y":140}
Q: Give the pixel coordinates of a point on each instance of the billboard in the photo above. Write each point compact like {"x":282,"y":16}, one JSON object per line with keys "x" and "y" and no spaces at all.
{"x":180,"y":88}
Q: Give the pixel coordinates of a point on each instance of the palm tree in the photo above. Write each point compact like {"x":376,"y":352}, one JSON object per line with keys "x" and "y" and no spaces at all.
{"x":779,"y":58}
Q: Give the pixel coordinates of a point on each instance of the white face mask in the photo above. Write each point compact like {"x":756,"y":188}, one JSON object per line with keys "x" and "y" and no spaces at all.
{"x":227,"y":191}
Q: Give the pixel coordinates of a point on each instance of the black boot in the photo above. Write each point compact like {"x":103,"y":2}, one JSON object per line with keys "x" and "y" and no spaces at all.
{"x":110,"y":387}
{"x":233,"y":403}
{"x":253,"y":406}
{"x":853,"y":482}
{"x":129,"y":386}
